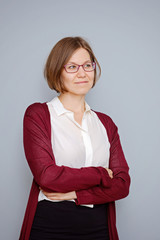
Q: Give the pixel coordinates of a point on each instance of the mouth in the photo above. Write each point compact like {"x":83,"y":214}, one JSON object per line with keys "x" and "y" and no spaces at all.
{"x":82,"y":82}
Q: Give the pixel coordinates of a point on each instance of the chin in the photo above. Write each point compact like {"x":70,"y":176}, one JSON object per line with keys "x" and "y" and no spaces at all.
{"x":81,"y":91}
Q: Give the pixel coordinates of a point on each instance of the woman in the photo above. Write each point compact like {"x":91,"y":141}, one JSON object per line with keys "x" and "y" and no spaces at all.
{"x":74,"y":154}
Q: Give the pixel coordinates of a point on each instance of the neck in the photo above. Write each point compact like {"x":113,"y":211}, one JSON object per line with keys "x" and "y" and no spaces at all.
{"x":74,"y":103}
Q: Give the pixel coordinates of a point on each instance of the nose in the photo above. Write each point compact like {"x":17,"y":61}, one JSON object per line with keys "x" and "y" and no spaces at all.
{"x":81,"y":72}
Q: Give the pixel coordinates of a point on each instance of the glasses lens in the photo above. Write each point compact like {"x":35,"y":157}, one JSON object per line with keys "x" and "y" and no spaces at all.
{"x":89,"y":66}
{"x":71,"y":68}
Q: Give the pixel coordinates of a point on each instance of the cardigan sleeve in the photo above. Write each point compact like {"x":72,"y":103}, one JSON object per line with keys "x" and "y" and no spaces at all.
{"x":39,"y":154}
{"x":120,"y":183}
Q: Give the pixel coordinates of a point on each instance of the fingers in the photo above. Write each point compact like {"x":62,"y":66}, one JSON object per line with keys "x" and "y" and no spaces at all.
{"x":110,"y":172}
{"x":53,"y":196}
{"x":60,"y":196}
{"x":50,"y":195}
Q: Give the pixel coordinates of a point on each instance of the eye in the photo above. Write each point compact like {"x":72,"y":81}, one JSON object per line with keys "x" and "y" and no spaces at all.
{"x":88,"y":65}
{"x":71,"y":66}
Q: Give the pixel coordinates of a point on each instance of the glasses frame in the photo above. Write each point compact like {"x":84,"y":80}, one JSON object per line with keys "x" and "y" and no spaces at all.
{"x":82,"y":65}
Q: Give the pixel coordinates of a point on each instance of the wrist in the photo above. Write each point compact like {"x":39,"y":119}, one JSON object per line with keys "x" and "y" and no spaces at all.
{"x":74,"y":195}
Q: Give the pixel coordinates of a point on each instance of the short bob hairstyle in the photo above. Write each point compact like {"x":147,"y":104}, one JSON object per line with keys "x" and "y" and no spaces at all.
{"x":60,"y":55}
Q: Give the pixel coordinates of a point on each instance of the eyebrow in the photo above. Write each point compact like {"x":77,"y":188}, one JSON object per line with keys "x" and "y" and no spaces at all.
{"x":78,"y":64}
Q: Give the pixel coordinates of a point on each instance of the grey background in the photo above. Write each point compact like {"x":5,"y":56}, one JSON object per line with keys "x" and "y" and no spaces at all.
{"x":125,"y":36}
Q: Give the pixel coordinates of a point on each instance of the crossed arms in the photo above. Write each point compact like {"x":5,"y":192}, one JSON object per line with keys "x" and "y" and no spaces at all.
{"x":88,"y":185}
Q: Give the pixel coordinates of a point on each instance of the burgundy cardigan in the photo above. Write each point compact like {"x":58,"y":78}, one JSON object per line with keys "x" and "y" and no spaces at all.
{"x":92,"y":184}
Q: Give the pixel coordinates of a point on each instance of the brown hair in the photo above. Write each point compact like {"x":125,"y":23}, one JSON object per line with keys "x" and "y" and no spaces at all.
{"x":59,"y":56}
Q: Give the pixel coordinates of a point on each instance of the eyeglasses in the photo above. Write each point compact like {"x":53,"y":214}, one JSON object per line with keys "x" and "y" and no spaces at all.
{"x":73,"y":68}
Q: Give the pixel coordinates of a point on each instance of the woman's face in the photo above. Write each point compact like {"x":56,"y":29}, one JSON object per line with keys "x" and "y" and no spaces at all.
{"x":78,"y":83}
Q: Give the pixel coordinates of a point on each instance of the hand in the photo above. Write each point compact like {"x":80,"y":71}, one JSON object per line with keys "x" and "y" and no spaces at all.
{"x":60,"y":196}
{"x":109,"y":172}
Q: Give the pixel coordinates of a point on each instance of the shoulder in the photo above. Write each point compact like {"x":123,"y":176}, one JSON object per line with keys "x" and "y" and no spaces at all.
{"x":37,"y":118}
{"x":38,"y":112}
{"x":108,"y":123}
{"x":107,"y":120}
{"x":36,"y":108}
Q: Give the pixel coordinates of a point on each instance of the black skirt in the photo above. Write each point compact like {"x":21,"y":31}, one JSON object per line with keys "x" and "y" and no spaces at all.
{"x":67,"y":221}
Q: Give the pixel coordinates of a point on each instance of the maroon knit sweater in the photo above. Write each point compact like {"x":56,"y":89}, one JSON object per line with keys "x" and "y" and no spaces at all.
{"x":92,"y":184}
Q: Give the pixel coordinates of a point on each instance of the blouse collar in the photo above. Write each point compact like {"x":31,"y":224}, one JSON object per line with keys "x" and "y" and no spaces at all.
{"x":59,"y":108}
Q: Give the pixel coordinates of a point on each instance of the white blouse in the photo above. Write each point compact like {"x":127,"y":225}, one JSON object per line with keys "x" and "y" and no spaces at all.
{"x":76,"y":145}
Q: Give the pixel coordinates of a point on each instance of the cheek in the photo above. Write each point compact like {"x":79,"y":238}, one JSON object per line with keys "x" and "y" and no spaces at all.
{"x":67,"y":80}
{"x":91,"y":76}
{"x":65,"y":77}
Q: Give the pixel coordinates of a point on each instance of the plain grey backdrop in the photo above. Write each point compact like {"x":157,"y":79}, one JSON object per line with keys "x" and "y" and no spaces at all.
{"x":125,"y":36}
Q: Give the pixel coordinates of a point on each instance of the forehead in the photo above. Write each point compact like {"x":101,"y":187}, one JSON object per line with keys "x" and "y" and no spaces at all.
{"x":79,"y":56}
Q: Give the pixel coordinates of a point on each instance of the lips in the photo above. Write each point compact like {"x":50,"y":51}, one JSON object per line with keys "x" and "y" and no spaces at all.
{"x":81,"y":82}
